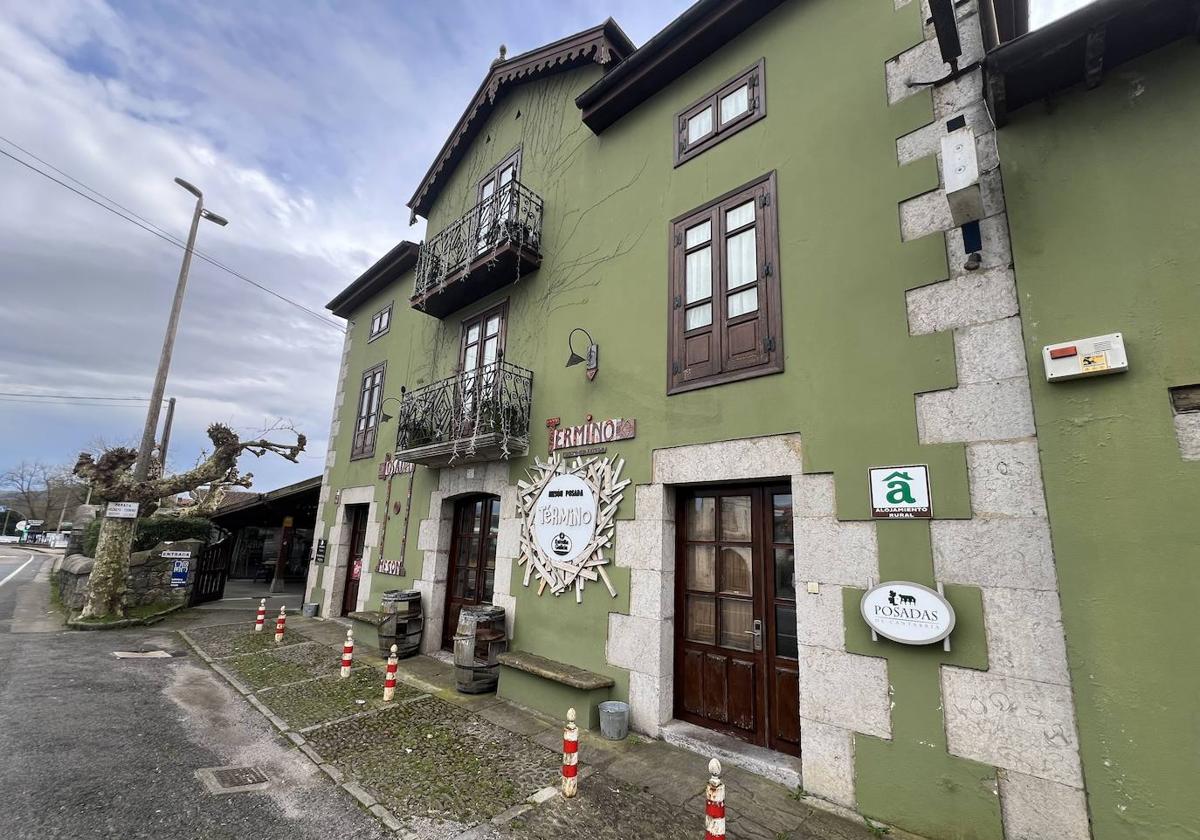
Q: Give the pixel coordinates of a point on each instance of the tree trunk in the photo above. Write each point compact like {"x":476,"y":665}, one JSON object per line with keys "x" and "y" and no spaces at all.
{"x":109,"y":579}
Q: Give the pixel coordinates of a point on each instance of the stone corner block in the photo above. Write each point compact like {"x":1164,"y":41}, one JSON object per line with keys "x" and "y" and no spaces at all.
{"x":641,"y":645}
{"x":974,"y":297}
{"x":831,"y":551}
{"x":819,"y":618}
{"x":845,"y":690}
{"x":1025,"y":634}
{"x":1010,"y":553}
{"x":1012,"y":723}
{"x":827,"y":762}
{"x":434,"y":535}
{"x":652,"y":594}
{"x":742,"y":459}
{"x":650,"y":702}
{"x":645,"y":544}
{"x":981,"y":411}
{"x":1034,"y":809}
{"x":813,"y":495}
{"x":654,"y":502}
{"x":1187,"y":432}
{"x":1006,"y":479}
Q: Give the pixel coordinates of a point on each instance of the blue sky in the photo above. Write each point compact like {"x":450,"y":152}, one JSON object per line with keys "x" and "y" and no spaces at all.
{"x":306,"y":124}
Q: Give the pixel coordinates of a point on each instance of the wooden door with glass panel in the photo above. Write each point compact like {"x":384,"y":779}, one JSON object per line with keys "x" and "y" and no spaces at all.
{"x":735,"y":627}
{"x":496,"y":204}
{"x":482,"y":348}
{"x":356,"y":516}
{"x":472,"y":558}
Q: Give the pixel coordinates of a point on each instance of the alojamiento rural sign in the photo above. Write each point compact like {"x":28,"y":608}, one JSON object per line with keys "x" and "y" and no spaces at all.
{"x":907,"y":612}
{"x":900,"y":492}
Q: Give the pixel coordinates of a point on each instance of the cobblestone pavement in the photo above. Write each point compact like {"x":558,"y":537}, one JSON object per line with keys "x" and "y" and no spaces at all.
{"x":435,"y":765}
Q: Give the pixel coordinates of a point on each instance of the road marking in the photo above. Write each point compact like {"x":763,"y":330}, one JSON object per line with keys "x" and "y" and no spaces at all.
{"x":17,"y":571}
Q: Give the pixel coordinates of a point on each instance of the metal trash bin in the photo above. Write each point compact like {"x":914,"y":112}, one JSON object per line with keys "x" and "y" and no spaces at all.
{"x":480,"y":639}
{"x":309,"y":609}
{"x":405,"y":622}
{"x":614,"y":720}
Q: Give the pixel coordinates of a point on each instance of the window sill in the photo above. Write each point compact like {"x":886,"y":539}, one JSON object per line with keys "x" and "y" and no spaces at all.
{"x":725,"y":378}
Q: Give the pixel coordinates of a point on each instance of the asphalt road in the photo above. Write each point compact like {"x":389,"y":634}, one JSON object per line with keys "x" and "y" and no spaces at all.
{"x":96,"y":747}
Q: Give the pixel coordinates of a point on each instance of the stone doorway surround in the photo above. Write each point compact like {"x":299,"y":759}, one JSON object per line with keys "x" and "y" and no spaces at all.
{"x":433,"y":541}
{"x":338,"y":551}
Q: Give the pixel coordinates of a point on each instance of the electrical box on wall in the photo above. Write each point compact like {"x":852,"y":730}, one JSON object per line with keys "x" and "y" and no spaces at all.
{"x":1095,"y":356}
{"x":960,"y":174}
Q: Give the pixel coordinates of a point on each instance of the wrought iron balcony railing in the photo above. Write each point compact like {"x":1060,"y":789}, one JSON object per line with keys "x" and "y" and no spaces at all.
{"x":479,"y":415}
{"x":489,"y":246}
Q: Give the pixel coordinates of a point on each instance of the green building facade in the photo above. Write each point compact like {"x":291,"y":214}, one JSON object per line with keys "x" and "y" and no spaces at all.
{"x":742,"y":234}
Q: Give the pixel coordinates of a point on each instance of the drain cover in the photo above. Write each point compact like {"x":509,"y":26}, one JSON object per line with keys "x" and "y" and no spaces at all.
{"x":232,"y":779}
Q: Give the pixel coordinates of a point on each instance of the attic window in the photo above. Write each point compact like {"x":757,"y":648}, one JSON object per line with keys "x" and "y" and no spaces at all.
{"x":738,"y":103}
{"x":381,"y":322}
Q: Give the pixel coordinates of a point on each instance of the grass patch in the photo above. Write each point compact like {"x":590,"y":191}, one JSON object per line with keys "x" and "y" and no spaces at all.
{"x":222,"y":640}
{"x":330,"y":698}
{"x":288,"y":664}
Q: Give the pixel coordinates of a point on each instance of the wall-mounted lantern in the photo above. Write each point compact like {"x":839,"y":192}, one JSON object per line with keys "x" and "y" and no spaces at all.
{"x":592,"y":357}
{"x":383,"y":415}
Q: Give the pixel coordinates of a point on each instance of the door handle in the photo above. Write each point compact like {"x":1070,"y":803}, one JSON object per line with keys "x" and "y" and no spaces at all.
{"x":756,"y":633}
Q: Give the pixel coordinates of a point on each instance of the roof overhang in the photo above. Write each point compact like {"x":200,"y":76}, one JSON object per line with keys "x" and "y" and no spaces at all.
{"x":386,"y":270}
{"x":1076,"y":48}
{"x":292,"y":494}
{"x":696,"y":34}
{"x":605,"y":45}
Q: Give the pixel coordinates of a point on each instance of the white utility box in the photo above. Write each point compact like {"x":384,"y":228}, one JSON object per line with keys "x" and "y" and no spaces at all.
{"x":960,"y":174}
{"x":1095,"y":356}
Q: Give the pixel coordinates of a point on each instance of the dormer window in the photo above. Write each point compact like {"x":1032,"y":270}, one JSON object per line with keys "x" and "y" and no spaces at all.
{"x":738,"y":103}
{"x":380,"y":322}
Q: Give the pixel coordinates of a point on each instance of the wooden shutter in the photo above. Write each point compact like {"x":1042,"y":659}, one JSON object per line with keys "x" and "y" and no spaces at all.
{"x":745,"y":272}
{"x":695,"y":348}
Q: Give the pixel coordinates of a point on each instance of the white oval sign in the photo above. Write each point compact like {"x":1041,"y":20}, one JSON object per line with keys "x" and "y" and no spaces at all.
{"x":907,"y":612}
{"x":564,"y":518}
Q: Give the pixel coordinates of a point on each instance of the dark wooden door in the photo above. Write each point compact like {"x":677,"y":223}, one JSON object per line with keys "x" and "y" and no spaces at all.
{"x":472,"y":558}
{"x":357,"y":514}
{"x":735,"y":636}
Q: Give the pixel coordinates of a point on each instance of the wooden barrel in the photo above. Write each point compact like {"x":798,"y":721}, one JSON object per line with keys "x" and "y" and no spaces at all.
{"x":406,"y":624}
{"x":479,"y":640}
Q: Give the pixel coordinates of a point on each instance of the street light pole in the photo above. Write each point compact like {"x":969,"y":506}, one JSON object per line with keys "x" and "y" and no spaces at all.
{"x":142,"y":466}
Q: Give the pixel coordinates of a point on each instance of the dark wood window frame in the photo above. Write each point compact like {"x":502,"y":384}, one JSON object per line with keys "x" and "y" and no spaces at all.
{"x":765,"y":324}
{"x":367,"y":412}
{"x":755,"y":77}
{"x":378,"y":327}
{"x":481,"y":320}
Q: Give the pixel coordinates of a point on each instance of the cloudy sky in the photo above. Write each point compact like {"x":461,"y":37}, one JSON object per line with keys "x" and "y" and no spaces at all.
{"x":306,"y":124}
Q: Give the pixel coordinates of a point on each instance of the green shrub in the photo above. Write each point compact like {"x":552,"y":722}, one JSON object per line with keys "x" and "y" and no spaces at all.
{"x":152,"y":531}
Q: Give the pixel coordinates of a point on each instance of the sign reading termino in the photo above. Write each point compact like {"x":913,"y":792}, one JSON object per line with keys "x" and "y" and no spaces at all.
{"x":564,"y":518}
{"x":907,"y":612}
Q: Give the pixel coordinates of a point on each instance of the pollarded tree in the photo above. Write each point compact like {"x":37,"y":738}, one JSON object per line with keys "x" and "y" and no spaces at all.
{"x":112,"y":476}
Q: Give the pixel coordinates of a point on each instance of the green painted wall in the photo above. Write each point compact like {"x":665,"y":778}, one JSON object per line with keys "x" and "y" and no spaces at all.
{"x":851,"y":366}
{"x":1102,"y":196}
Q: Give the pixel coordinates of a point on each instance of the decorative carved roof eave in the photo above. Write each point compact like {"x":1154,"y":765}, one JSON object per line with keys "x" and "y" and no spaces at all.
{"x":605,"y":45}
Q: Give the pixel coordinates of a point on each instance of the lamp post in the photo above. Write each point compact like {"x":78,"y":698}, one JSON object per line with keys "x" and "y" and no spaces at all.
{"x":142,"y":466}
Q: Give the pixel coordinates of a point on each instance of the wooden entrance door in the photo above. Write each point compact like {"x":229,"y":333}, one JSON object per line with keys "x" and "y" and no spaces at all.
{"x":735,"y":626}
{"x":356,"y":516}
{"x":472,"y":558}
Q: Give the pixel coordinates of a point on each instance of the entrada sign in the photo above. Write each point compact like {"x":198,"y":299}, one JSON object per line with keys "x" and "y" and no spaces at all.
{"x":900,"y":492}
{"x":592,"y":432}
{"x":907,"y":612}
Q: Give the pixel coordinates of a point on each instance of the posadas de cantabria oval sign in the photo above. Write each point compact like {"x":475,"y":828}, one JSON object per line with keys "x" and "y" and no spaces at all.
{"x":907,"y":612}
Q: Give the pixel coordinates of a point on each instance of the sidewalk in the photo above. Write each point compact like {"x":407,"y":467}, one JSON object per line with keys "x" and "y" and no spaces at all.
{"x":437,"y":764}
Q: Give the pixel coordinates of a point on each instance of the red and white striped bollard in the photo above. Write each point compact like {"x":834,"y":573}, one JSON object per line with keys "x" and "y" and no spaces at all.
{"x":389,"y":680}
{"x":279,"y":622}
{"x":714,"y":804}
{"x":570,"y":764}
{"x":261,"y":617}
{"x":347,"y":653}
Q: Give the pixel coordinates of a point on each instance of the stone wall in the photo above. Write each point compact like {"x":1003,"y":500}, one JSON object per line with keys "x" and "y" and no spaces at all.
{"x":149,"y":578}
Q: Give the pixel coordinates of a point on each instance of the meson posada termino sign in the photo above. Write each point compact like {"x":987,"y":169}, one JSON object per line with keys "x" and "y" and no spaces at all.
{"x":907,"y":612}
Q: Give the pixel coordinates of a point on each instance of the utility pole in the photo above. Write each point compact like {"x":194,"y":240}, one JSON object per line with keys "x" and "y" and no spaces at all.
{"x":142,"y":467}
{"x":166,"y":435}
{"x":4,"y":530}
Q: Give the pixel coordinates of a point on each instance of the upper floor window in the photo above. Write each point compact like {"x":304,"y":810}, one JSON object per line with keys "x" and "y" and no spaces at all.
{"x":366,"y":424}
{"x":483,"y":339}
{"x":725,"y":318}
{"x":725,"y":111}
{"x":380,"y":323}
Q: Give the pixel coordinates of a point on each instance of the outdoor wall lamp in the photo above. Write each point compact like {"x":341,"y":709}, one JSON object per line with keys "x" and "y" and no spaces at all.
{"x":383,"y":415}
{"x":593,"y":353}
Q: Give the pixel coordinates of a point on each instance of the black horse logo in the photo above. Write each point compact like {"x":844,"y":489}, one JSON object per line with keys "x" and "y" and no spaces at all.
{"x":904,"y":599}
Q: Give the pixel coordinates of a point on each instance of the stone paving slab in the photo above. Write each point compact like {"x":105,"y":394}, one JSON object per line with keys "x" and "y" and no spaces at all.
{"x":432,"y":763}
{"x":222,"y":640}
{"x":288,"y":664}
{"x":330,"y":698}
